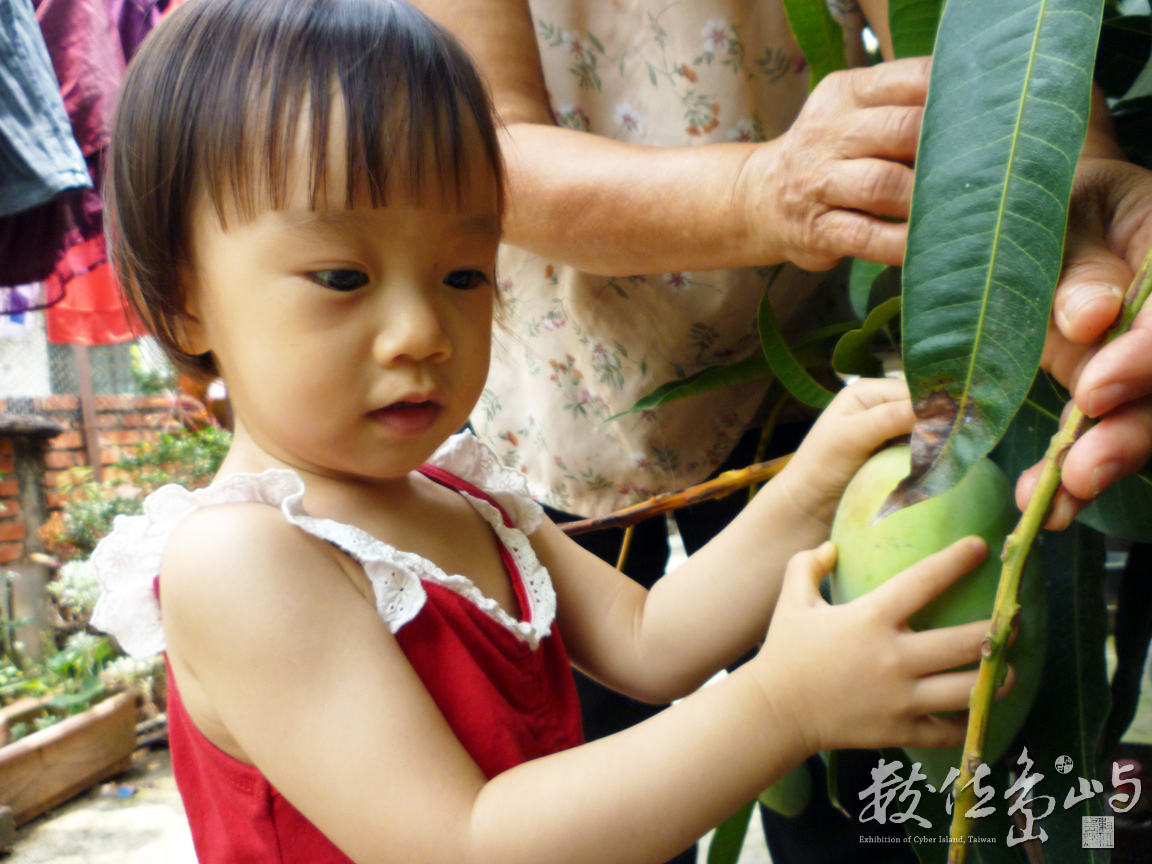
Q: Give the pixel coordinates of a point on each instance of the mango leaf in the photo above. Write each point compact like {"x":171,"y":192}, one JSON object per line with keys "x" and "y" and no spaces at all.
{"x":1132,"y":634}
{"x":819,"y":36}
{"x":1125,"y":43}
{"x":1122,"y":511}
{"x":811,"y":350}
{"x":1005,"y":120}
{"x":728,"y":839}
{"x":853,"y":354}
{"x":752,"y":368}
{"x":913,"y":24}
{"x":787,"y":368}
{"x":1072,"y":703}
{"x":860,"y":278}
{"x":870,"y":284}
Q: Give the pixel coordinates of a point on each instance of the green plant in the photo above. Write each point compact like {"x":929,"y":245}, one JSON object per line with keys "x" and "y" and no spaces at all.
{"x":1005,"y":121}
{"x":150,"y":378}
{"x":81,"y":667}
{"x":187,"y":457}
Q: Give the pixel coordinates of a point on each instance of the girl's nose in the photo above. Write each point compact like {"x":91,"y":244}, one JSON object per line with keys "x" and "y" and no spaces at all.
{"x":411,"y":330}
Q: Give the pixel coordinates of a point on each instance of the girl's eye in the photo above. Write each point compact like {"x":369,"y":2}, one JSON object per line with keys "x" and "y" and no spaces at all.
{"x":341,"y":280}
{"x":465,"y":280}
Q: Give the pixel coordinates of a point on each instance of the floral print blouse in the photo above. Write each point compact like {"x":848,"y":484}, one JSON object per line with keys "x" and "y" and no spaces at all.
{"x":581,"y":348}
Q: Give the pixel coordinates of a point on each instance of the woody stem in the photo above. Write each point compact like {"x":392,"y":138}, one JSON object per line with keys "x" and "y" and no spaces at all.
{"x":725,"y":484}
{"x":1007,"y":607}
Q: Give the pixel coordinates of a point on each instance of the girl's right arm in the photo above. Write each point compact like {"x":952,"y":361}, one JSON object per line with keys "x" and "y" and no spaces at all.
{"x":284,"y":663}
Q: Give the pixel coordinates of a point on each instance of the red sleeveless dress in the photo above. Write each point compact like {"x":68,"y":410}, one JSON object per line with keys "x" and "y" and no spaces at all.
{"x":508,"y":699}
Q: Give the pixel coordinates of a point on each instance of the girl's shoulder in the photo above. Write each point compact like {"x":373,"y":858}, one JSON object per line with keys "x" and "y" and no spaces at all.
{"x":128,"y":560}
{"x":468,"y":458}
{"x":210,"y":521}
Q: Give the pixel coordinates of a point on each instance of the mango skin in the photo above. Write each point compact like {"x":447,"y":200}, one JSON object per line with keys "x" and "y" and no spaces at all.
{"x":870,"y":554}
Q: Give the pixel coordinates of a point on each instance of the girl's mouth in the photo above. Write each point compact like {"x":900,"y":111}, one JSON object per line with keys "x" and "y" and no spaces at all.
{"x":407,"y":419}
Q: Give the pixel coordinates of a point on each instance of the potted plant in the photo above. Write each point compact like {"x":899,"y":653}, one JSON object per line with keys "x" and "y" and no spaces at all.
{"x":69,"y":719}
{"x":69,"y":711}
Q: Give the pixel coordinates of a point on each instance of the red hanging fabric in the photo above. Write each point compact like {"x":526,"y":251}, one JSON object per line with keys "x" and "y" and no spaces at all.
{"x":91,"y":311}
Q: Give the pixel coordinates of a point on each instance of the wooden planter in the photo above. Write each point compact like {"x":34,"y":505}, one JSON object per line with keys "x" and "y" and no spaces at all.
{"x":48,"y":767}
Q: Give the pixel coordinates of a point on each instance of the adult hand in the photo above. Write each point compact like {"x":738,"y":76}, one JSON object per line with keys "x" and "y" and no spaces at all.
{"x":822,"y":190}
{"x":1109,"y":233}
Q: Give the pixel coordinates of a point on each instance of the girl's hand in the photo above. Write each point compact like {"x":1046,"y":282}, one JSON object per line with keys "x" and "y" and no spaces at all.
{"x":855,"y":675}
{"x":857,"y":423}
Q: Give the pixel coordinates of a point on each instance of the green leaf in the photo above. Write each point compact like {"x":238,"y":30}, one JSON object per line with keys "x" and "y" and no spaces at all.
{"x":913,"y":24}
{"x":1132,"y":634}
{"x":1005,"y":120}
{"x":1122,"y":511}
{"x":91,"y":688}
{"x":753,"y":368}
{"x":790,"y":795}
{"x":784,"y":364}
{"x":729,"y":837}
{"x":1070,"y":708}
{"x":819,"y":36}
{"x":860,"y":279}
{"x":1123,"y":53}
{"x":853,"y":354}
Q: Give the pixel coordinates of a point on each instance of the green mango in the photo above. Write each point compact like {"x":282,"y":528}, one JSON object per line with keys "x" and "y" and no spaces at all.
{"x":790,"y":794}
{"x":869,"y":553}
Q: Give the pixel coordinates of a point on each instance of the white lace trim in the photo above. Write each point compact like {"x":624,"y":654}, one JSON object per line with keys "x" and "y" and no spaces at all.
{"x":128,"y":559}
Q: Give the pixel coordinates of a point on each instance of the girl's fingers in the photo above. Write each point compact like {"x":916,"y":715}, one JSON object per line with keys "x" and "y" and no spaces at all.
{"x":946,"y":648}
{"x":947,"y":691}
{"x":910,"y":590}
{"x":806,"y":570}
{"x":933,"y":731}
{"x":868,"y":393}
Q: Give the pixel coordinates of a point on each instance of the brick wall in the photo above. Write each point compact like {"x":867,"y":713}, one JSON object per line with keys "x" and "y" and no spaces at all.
{"x":122,"y":422}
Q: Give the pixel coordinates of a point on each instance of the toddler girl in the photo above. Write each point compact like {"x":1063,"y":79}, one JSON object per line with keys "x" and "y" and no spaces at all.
{"x":368,"y":624}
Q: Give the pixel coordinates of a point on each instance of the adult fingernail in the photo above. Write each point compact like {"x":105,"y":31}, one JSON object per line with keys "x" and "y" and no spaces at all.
{"x":1084,"y":295}
{"x":1087,"y":293}
{"x":1104,"y":399}
{"x":1104,"y":476}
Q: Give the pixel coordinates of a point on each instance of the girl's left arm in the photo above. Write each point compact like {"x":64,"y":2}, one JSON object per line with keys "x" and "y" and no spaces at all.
{"x":659,"y":645}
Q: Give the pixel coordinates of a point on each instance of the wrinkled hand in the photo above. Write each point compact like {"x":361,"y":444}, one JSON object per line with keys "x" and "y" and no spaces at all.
{"x":816,"y":193}
{"x":1109,"y":232}
{"x":856,"y":675}
{"x":861,"y":418}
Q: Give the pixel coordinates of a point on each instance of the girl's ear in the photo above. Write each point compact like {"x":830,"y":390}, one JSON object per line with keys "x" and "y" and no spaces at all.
{"x":190,"y":331}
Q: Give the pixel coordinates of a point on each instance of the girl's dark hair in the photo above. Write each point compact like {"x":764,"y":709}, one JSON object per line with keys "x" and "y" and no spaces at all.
{"x":217,"y":95}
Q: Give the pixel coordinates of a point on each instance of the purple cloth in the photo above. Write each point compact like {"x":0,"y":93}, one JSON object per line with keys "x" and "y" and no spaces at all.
{"x":84,"y":42}
{"x":88,"y":41}
{"x":135,"y":20}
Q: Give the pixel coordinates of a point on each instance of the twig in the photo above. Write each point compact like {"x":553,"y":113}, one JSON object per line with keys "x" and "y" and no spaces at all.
{"x":725,"y":484}
{"x":1007,"y":608}
{"x":625,"y":546}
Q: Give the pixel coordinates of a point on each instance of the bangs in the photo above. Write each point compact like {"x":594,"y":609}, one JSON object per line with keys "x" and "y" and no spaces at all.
{"x":410,"y":102}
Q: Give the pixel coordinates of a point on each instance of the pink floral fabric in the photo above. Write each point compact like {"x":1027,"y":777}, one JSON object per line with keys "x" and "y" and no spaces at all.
{"x":581,"y":348}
